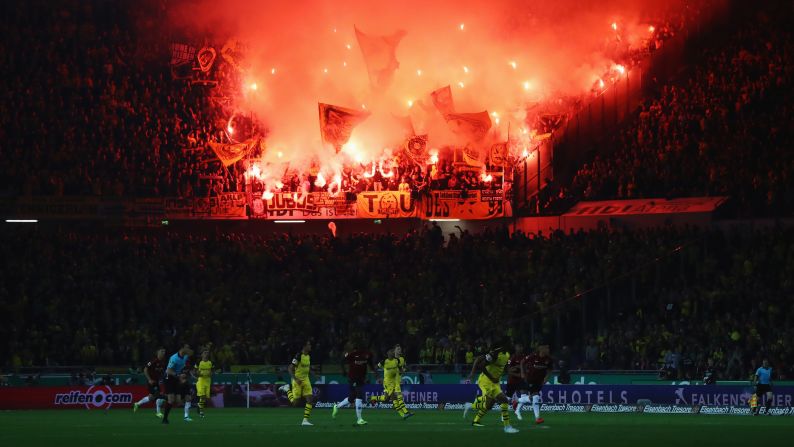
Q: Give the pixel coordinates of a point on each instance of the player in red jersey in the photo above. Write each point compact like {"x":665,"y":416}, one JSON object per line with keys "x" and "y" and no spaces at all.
{"x":516,"y":385}
{"x":355,"y":366}
{"x":154,"y":375}
{"x":536,"y":368}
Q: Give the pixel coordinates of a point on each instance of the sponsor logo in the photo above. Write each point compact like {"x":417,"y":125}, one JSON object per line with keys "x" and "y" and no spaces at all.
{"x":99,"y":397}
{"x":667,"y":409}
{"x":614,"y":408}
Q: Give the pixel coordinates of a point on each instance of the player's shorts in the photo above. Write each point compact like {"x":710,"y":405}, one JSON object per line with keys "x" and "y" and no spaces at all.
{"x":488,"y":389}
{"x":761,"y":389}
{"x":356,"y":387}
{"x":185,"y":389}
{"x":391,"y":387}
{"x":534,"y":388}
{"x":173,"y":385}
{"x":516,"y":388}
{"x":154,"y":389}
{"x":203,"y":388}
{"x":303,"y":389}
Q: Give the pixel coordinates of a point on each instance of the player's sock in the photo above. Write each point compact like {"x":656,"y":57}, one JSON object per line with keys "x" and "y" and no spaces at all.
{"x":524,"y":399}
{"x":290,"y":395}
{"x":202,"y":403}
{"x":399,"y":405}
{"x":536,"y":405}
{"x":359,"y":407}
{"x":768,"y":405}
{"x":307,"y":411}
{"x":167,"y":408}
{"x":144,"y":400}
{"x":505,"y":413}
{"x":159,"y":404}
{"x":187,"y":409}
{"x":345,"y":402}
{"x":479,"y":405}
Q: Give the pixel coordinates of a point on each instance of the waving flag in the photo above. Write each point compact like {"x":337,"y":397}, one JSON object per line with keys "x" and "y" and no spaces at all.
{"x":337,"y":123}
{"x":473,"y":127}
{"x":230,"y":154}
{"x":442,"y":99}
{"x":380,"y":55}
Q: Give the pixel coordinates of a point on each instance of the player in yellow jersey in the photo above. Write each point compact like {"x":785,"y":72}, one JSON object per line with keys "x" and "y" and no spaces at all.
{"x":204,"y":372}
{"x":393,"y":367}
{"x":301,"y":389}
{"x":491,"y":367}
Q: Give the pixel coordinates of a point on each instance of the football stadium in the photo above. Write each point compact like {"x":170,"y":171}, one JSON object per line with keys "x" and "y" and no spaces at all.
{"x":455,"y":222}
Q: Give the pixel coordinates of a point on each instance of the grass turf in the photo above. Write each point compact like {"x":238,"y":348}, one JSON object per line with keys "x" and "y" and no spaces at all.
{"x":280,"y":427}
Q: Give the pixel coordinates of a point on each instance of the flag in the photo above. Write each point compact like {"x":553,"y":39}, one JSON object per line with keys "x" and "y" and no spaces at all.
{"x":380,"y":56}
{"x":416,"y":149}
{"x":442,"y":99}
{"x":337,"y":123}
{"x":206,"y":57}
{"x":471,"y":126}
{"x":181,"y":53}
{"x":499,"y":154}
{"x":230,"y":154}
{"x":471,"y":155}
{"x":233,"y":52}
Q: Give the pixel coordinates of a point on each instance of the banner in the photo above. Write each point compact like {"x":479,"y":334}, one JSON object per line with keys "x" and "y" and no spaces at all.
{"x":337,"y":123}
{"x":96,"y":397}
{"x":229,"y":205}
{"x":386,"y":205}
{"x":451,"y":204}
{"x":315,"y":205}
{"x":233,"y":52}
{"x":646,"y":206}
{"x":380,"y":56}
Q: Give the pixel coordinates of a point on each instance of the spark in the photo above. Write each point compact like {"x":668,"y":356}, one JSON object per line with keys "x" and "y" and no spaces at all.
{"x":419,"y":72}
{"x":410,"y":103}
{"x":334,"y":29}
{"x":527,"y":85}
{"x":349,"y":46}
{"x":434,"y":159}
{"x":344,"y":64}
{"x":254,"y":86}
{"x":615,"y":26}
{"x":601,"y":83}
{"x":364,"y":106}
{"x":461,"y":84}
{"x":267,"y":195}
{"x":465,"y":69}
{"x":325,"y":70}
{"x":651,"y":29}
{"x":273,"y":70}
{"x":279,"y":154}
{"x":230,"y":129}
{"x":513,"y":64}
{"x":279,"y":185}
{"x":525,"y":154}
{"x":620,"y":69}
{"x":462,"y":26}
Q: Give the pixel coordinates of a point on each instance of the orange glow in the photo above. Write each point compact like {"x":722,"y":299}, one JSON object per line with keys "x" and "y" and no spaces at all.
{"x":651,"y":29}
{"x":527,"y":85}
{"x":267,"y":195}
{"x":253,"y":86}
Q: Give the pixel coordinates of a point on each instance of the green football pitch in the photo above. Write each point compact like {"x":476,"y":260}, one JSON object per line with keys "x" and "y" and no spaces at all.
{"x":280,"y":427}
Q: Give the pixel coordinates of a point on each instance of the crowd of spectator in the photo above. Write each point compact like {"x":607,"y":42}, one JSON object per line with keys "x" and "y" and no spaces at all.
{"x":90,"y":107}
{"x":672,"y":296}
{"x":721,"y":130}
